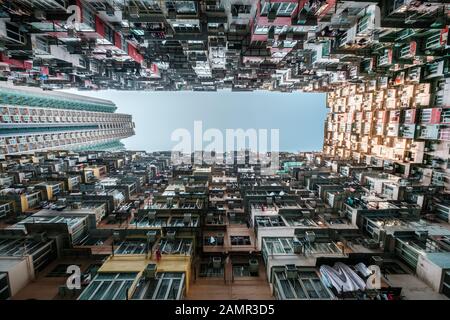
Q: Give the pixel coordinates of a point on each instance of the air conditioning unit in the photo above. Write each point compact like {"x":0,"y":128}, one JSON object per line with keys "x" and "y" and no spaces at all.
{"x":253,"y":265}
{"x":134,"y":12}
{"x":75,"y":205}
{"x":378,"y":235}
{"x":310,"y":236}
{"x":151,"y":215}
{"x":291,"y":271}
{"x":150,"y":271}
{"x":41,"y":237}
{"x":217,"y":262}
{"x":372,"y":244}
{"x":40,"y":15}
{"x":187,"y":218}
{"x":170,"y":235}
{"x":151,"y":236}
{"x":421,"y":235}
{"x":298,"y":247}
{"x":377,"y":260}
{"x":306,"y":214}
{"x":116,"y":235}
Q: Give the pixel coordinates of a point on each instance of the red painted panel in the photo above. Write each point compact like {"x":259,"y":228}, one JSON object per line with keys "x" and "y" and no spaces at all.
{"x":118,"y":40}
{"x":134,"y":54}
{"x":330,"y":4}
{"x":78,"y":3}
{"x":99,"y":26}
{"x":435,"y":115}
{"x":12,"y":62}
{"x":44,"y":71}
{"x":444,"y":36}
{"x":279,"y":21}
{"x":28,"y":64}
{"x":259,"y":37}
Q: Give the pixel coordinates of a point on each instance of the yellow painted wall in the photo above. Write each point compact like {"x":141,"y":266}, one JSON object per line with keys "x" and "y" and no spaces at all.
{"x":138,"y":262}
{"x":23,"y":203}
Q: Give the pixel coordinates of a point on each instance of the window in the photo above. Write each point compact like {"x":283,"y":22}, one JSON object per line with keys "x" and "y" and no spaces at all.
{"x":289,"y":44}
{"x":267,"y":221}
{"x":261,"y":29}
{"x":42,"y":44}
{"x":182,"y":7}
{"x":285,"y":9}
{"x":4,"y":286}
{"x":186,"y":27}
{"x":243,"y":270}
{"x":177,"y":246}
{"x":237,"y":9}
{"x":363,"y":23}
{"x":265,"y":9}
{"x":165,"y":286}
{"x":88,"y":18}
{"x":132,"y":247}
{"x":240,"y":240}
{"x":5,"y":209}
{"x":306,"y":285}
{"x":108,"y":286}
{"x":280,"y":29}
{"x":208,"y":270}
{"x":109,"y":34}
{"x":277,"y":246}
{"x":213,"y":240}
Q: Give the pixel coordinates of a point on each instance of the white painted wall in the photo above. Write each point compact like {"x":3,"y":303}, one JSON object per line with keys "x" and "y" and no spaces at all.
{"x":429,"y":273}
{"x":20,"y":272}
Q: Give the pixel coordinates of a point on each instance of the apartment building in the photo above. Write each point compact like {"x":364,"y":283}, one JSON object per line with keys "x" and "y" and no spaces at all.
{"x":206,"y":231}
{"x":33,"y":121}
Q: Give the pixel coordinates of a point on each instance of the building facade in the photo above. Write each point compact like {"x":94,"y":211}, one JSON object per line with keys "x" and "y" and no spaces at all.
{"x":33,"y":120}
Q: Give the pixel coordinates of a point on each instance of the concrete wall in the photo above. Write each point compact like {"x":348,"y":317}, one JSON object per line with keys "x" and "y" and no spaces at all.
{"x":429,"y":273}
{"x":20,"y":272}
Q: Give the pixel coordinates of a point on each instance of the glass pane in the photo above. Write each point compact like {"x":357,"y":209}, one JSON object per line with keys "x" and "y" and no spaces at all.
{"x":89,"y":290}
{"x":287,"y":289}
{"x":310,"y":289}
{"x":101,"y":290}
{"x":112,"y":291}
{"x":323,"y":293}
{"x":299,"y":290}
{"x":123,"y":290}
{"x":174,"y":288}
{"x":163,"y":289}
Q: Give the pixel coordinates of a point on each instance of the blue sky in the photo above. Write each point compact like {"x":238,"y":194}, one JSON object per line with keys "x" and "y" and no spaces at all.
{"x":298,"y":116}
